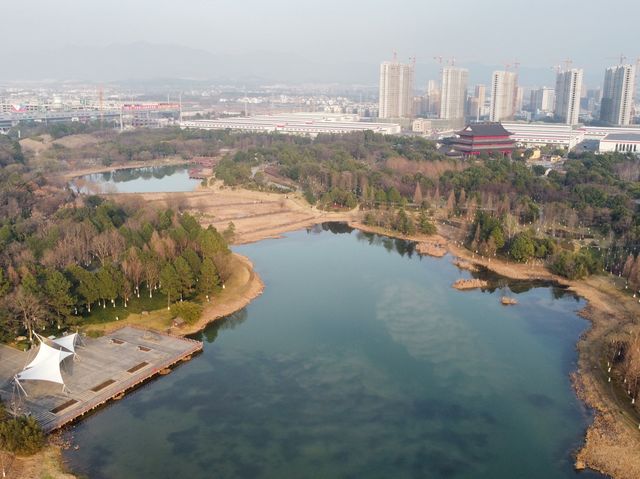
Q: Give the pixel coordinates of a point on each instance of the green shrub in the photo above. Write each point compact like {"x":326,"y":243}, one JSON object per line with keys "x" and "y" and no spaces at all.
{"x":575,"y":265}
{"x":187,"y":310}
{"x":522,"y":247}
{"x":21,"y":435}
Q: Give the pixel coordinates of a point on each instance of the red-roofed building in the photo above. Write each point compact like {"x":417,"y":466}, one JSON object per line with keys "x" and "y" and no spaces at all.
{"x":477,"y":138}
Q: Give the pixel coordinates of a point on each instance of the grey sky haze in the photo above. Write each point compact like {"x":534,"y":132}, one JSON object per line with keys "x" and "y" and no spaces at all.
{"x":538,"y":33}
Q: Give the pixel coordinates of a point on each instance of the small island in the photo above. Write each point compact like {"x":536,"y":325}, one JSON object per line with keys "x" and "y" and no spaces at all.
{"x":464,"y":284}
{"x":508,"y":301}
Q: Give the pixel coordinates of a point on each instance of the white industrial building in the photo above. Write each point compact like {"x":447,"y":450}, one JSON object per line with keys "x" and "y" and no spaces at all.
{"x":308,"y":124}
{"x":599,"y":132}
{"x":621,"y":142}
{"x":540,"y":134}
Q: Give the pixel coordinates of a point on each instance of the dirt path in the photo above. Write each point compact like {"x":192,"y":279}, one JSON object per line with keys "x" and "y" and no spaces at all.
{"x":47,"y":464}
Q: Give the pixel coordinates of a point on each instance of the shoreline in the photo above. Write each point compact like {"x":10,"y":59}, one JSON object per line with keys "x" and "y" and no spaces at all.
{"x":610,"y":447}
{"x":252,"y":288}
{"x":611,"y":442}
{"x":127,"y":166}
{"x":245,"y":285}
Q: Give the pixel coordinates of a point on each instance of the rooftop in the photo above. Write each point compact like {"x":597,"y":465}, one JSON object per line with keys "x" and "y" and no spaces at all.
{"x":485,"y":129}
{"x":622,"y":137}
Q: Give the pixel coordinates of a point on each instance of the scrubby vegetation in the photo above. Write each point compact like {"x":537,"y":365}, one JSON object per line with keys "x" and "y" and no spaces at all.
{"x":20,"y":435}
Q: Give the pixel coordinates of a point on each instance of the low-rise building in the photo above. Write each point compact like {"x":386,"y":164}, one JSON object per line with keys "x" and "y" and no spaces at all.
{"x":296,"y":124}
{"x":620,"y":142}
{"x":541,"y":134}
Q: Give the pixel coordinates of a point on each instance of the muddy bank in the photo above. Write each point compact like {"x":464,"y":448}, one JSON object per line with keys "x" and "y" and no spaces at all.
{"x":464,"y":284}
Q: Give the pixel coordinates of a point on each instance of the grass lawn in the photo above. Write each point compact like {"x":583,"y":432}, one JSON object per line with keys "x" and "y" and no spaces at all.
{"x":136,"y":306}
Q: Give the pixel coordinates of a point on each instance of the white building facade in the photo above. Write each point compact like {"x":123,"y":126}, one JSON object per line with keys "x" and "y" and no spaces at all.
{"x":396,"y":90}
{"x":504,"y":86}
{"x":620,"y":142}
{"x":618,"y":95}
{"x":453,"y":93}
{"x":568,"y":90}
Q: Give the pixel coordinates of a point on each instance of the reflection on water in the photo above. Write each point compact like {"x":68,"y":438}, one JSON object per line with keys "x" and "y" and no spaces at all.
{"x":359,"y":360}
{"x":138,"y":180}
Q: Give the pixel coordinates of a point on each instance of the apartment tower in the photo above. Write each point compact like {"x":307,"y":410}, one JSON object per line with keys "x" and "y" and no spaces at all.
{"x":568,"y":88}
{"x":504,"y":87}
{"x":396,"y":89}
{"x":453,"y":93}
{"x":618,"y":95}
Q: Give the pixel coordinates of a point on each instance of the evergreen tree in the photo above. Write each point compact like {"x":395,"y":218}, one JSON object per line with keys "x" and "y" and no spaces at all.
{"x":170,"y":283}
{"x":393,"y":196}
{"x":5,"y":286}
{"x":209,"y":279}
{"x":424,"y":225}
{"x":87,"y":285}
{"x":107,"y":288}
{"x":417,"y":194}
{"x":29,"y":283}
{"x":193,"y":259}
{"x":57,"y":290}
{"x":185,"y":276}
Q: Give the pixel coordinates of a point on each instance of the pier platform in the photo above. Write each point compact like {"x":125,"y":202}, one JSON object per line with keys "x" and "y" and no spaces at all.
{"x":105,"y":369}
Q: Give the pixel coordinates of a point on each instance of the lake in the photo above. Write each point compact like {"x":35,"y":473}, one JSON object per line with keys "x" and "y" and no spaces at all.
{"x":358,"y":361}
{"x":152,"y":179}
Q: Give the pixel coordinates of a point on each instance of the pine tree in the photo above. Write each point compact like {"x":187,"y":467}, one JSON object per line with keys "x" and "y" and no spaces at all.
{"x":462,"y":199}
{"x":185,"y":276}
{"x":87,"y":285}
{"x":424,"y":225}
{"x":107,"y":288}
{"x":209,"y":279}
{"x":57,"y":290}
{"x":417,"y":195}
{"x":170,"y":283}
{"x":451,"y":202}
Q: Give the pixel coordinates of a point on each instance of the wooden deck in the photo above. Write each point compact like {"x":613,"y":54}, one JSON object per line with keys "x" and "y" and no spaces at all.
{"x":105,"y":369}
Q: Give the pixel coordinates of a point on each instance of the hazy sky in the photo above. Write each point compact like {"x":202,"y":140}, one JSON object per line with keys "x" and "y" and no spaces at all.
{"x":539,"y":33}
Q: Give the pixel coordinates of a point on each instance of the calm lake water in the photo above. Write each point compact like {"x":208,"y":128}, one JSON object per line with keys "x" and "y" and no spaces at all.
{"x":358,"y":361}
{"x":151,"y":179}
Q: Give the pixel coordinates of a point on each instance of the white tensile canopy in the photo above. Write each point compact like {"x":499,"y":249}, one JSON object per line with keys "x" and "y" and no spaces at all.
{"x":46,"y":365}
{"x":68,"y":342}
{"x":48,"y":354}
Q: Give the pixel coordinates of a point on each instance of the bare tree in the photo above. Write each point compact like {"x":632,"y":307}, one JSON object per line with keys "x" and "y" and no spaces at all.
{"x":28,"y":308}
{"x":108,"y":245}
{"x":133,"y":269}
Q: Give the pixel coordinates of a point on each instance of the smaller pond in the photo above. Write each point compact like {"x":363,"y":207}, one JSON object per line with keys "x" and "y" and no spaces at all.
{"x":151,"y":179}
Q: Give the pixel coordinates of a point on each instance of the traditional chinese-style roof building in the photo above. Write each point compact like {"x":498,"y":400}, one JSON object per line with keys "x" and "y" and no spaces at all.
{"x":477,"y":138}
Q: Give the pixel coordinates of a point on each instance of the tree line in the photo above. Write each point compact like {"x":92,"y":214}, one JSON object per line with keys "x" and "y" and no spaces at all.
{"x":62,"y":255}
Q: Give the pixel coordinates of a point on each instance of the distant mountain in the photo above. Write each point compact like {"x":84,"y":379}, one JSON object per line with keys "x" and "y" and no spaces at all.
{"x":145,"y":61}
